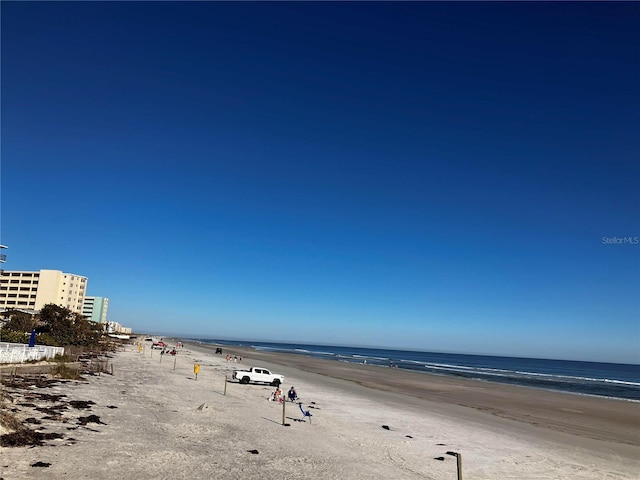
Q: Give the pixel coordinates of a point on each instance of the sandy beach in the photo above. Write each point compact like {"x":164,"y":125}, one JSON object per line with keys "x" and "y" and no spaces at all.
{"x":153,"y":419}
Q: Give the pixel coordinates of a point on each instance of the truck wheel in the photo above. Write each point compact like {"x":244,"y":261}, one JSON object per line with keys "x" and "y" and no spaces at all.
{"x":275,"y":383}
{"x":244,"y":380}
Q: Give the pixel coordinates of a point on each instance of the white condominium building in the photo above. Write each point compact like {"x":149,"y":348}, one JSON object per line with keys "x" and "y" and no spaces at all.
{"x":34,"y":290}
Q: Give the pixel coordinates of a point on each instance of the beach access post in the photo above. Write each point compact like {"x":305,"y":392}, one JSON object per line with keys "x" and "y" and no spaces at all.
{"x":225,"y":385}
{"x":458,"y":462}
{"x":174,"y":361}
{"x":196,"y":370}
{"x":284,"y":402}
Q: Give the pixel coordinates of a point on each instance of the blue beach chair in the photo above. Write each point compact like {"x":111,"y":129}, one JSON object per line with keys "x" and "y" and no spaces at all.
{"x":306,"y":413}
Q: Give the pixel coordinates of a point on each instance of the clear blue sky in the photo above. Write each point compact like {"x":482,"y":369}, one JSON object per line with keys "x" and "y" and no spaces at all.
{"x":433,"y":176}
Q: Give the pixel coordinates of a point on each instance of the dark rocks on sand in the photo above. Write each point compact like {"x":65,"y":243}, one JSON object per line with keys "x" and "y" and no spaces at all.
{"x":90,"y":419}
{"x":40,"y":464}
{"x":81,"y":404}
{"x":386,"y":427}
{"x":255,"y":452}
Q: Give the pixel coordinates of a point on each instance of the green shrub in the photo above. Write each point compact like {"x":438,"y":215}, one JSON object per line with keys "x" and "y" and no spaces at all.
{"x":12,"y":336}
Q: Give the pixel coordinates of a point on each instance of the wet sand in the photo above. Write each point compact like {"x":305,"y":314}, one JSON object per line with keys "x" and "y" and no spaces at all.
{"x":616,"y":422}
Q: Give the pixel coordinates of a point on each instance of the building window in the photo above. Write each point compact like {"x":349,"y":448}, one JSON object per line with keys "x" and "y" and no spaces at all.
{"x":15,"y":281}
{"x":13,"y":288}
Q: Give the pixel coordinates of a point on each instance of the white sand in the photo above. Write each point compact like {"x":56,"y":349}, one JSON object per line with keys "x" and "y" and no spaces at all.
{"x":157,"y":431}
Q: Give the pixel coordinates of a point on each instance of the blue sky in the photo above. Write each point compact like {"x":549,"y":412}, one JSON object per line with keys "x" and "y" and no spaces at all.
{"x":433,"y":176}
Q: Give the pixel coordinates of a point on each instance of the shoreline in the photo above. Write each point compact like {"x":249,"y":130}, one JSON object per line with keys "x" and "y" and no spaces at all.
{"x":615,"y":381}
{"x":419,"y":372}
{"x":587,"y":417}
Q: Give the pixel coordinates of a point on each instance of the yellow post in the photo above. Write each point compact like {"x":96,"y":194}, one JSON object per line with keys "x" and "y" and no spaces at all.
{"x":196,"y":370}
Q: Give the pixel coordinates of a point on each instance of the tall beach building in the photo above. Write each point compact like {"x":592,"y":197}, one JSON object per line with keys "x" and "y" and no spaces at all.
{"x":95,"y":308}
{"x":31,"y":290}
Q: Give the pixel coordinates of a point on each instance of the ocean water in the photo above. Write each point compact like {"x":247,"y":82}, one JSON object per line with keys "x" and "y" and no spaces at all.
{"x":611,"y":380}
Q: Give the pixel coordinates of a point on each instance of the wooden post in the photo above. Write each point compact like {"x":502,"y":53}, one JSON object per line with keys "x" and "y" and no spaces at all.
{"x":458,"y":462}
{"x":283,"y":405}
{"x":174,"y":362}
{"x":111,"y":369}
{"x":225,"y":385}
{"x":161,"y":355}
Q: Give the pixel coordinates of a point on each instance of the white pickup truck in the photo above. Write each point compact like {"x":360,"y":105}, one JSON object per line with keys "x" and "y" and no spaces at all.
{"x":258,"y":375}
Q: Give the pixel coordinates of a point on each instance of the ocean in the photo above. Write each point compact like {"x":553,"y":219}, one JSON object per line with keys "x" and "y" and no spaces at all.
{"x":611,"y":380}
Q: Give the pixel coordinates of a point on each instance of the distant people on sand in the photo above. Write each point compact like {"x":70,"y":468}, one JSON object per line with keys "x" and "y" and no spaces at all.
{"x":276,"y":396}
{"x":293,"y":396}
